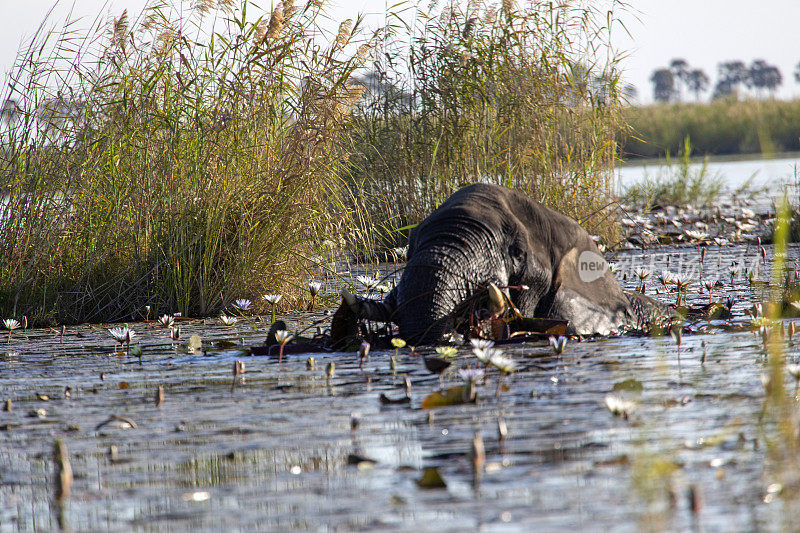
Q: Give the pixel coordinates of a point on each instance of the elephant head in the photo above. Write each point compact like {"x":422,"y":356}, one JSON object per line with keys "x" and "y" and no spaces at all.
{"x":487,"y":234}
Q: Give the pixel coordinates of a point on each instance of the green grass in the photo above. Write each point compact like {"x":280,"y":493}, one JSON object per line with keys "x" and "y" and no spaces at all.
{"x":188,"y":157}
{"x":677,"y":183}
{"x":722,"y":127}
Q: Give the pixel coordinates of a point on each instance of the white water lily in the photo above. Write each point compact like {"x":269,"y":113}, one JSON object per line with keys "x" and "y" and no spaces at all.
{"x":243,"y":304}
{"x":383,"y":288}
{"x":471,"y":374}
{"x":228,"y":320}
{"x":666,"y":277}
{"x":696,"y":235}
{"x":368,"y":282}
{"x":619,"y":406}
{"x":314,"y":287}
{"x":641,"y":273}
{"x":11,"y":324}
{"x":166,"y":321}
{"x":283,"y":336}
{"x":401,"y":253}
{"x":502,"y":363}
{"x":481,"y":344}
{"x":794,"y":371}
{"x":558,"y":344}
{"x":485,"y":355}
{"x":272,"y":299}
{"x":122,"y":334}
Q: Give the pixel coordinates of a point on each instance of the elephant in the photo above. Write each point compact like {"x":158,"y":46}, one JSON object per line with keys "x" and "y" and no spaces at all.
{"x":488,"y":235}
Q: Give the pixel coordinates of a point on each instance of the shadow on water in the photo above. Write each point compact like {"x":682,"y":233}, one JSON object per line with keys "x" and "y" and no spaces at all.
{"x":277,"y":451}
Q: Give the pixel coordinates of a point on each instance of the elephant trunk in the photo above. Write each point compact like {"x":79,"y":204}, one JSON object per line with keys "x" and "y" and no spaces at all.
{"x":435,"y":281}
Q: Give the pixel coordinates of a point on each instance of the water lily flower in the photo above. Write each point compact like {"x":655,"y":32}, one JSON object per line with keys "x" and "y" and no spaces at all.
{"x":481,"y":344}
{"x":282,"y":336}
{"x":228,"y":320}
{"x":243,"y":304}
{"x":471,"y":374}
{"x":313,"y":288}
{"x":620,"y":407}
{"x":166,"y":321}
{"x":363,"y":352}
{"x":696,"y":235}
{"x":485,"y":355}
{"x":272,"y":299}
{"x":504,"y":364}
{"x":175,"y":333}
{"x":11,"y":324}
{"x":709,"y":284}
{"x":794,"y":371}
{"x":558,"y":344}
{"x":665,"y":278}
{"x":501,"y":362}
{"x":383,"y":288}
{"x":401,"y":253}
{"x":446,"y":351}
{"x":641,"y":273}
{"x":122,"y":335}
{"x":368,"y":282}
{"x":397,"y":343}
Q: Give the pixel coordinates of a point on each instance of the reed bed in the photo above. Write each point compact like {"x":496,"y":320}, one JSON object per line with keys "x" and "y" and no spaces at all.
{"x":518,"y":97}
{"x":722,"y":127}
{"x":201,"y":151}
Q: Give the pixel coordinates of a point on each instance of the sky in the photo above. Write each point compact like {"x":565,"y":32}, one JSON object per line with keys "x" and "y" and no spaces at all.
{"x":703,"y":32}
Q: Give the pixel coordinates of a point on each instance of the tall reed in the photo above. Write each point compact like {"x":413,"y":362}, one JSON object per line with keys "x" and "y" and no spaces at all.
{"x":522,"y":97}
{"x":182,"y":159}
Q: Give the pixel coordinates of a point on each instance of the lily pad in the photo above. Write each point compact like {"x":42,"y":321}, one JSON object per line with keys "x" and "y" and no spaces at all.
{"x":452,"y":396}
{"x":431,"y":479}
{"x":631,"y":385}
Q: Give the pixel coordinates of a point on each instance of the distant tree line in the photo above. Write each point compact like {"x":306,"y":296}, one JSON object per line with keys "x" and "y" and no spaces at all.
{"x":671,"y":84}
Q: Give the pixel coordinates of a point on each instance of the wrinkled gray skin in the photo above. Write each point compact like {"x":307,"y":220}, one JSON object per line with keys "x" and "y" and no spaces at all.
{"x":487,"y":233}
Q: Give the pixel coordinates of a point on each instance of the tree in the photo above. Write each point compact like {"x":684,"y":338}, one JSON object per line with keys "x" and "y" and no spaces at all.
{"x":732,"y":75}
{"x":697,"y":82}
{"x":663,"y":85}
{"x":764,"y":75}
{"x":680,"y":70}
{"x":797,"y":72}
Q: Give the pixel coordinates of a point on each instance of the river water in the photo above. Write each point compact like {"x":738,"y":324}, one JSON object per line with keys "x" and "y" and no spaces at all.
{"x":766,"y":173}
{"x":277,"y":452}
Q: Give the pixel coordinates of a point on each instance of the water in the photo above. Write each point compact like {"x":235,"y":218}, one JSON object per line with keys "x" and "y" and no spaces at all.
{"x":734,"y":172}
{"x":272,"y":454}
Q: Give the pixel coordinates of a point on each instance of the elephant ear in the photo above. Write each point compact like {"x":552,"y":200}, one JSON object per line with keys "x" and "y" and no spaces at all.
{"x":587,"y":294}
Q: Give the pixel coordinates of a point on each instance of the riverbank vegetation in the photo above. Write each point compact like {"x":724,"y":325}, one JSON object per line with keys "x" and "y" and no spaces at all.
{"x":722,"y":127}
{"x":192,"y":155}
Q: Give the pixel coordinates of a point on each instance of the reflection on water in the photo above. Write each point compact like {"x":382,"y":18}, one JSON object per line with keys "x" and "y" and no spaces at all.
{"x":735,"y":172}
{"x":272,"y":455}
